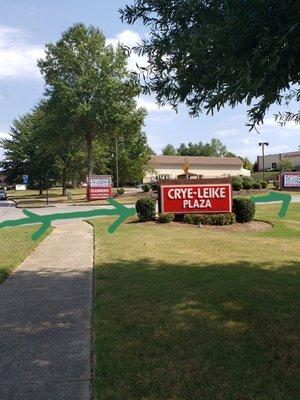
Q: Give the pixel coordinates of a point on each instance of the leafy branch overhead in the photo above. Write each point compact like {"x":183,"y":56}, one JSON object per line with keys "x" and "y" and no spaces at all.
{"x":209,"y":54}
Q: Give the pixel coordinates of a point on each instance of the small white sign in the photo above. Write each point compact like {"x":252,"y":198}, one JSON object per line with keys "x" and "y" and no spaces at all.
{"x":292,"y":180}
{"x":20,"y":187}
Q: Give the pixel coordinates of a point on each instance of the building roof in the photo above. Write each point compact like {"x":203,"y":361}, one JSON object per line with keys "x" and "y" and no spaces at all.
{"x":288,"y":154}
{"x":292,"y":154}
{"x":193,"y":160}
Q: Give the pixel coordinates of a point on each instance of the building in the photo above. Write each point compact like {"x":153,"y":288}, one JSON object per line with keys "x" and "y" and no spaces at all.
{"x":172,"y":167}
{"x":272,"y":160}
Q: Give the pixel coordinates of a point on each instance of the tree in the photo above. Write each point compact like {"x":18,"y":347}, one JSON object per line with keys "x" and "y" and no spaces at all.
{"x":247,"y":164}
{"x":25,"y":152}
{"x":213,"y":149}
{"x":286,"y":165}
{"x":169,"y":150}
{"x":209,"y":54}
{"x":88,"y":83}
{"x":133,"y":150}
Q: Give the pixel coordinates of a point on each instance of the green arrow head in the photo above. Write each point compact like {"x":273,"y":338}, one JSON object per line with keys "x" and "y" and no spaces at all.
{"x":125,"y":213}
{"x":285,"y":198}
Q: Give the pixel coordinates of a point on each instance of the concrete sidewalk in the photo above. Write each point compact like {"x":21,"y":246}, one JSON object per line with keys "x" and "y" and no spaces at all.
{"x":45,"y":319}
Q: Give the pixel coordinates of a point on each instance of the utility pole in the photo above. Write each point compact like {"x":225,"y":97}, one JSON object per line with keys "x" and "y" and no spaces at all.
{"x":263,"y":144}
{"x":117,"y":162}
{"x":47,"y":192}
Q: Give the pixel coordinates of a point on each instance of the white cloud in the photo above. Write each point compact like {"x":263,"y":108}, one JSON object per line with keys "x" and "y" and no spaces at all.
{"x":130,"y":39}
{"x":4,"y":135}
{"x":162,"y":118}
{"x":226,"y":132}
{"x":238,"y":117}
{"x":288,"y":126}
{"x":18,"y":58}
{"x":150,"y":105}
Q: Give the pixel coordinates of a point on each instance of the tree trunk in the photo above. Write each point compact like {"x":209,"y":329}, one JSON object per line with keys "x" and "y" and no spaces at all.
{"x":89,"y":146}
{"x":64,"y":183}
{"x":40,"y":187}
{"x":117,"y":163}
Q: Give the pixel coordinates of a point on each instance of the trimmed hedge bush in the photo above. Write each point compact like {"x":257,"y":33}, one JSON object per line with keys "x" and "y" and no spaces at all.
{"x":244,"y":210}
{"x":256,"y":185}
{"x":209,"y":219}
{"x":237,"y":185}
{"x":145,"y":209}
{"x":248,"y":183}
{"x":237,"y":178}
{"x":264,"y":184}
{"x":146,"y":188}
{"x":165,"y":218}
{"x":154,"y":187}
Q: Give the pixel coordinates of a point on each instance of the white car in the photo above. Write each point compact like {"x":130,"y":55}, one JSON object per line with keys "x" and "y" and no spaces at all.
{"x":3,"y":195}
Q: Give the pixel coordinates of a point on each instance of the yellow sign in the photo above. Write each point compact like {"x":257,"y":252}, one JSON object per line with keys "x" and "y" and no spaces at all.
{"x":186,"y":166}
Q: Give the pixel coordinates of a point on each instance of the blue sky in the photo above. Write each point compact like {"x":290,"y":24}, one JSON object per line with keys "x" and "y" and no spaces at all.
{"x":26,"y":25}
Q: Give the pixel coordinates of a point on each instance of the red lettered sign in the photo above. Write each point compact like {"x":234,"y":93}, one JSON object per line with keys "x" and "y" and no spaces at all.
{"x":99,"y":187}
{"x":205,"y":198}
{"x":99,"y":193}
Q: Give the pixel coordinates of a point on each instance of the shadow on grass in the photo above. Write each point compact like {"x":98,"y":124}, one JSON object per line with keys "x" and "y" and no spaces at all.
{"x":191,"y":332}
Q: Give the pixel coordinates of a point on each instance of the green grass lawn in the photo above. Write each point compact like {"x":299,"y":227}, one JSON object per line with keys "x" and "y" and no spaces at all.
{"x":182,"y":313}
{"x":15,"y":245}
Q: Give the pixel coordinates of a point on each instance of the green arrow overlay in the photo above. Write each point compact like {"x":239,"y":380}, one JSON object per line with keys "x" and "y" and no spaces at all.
{"x":285,"y":198}
{"x":32,"y":218}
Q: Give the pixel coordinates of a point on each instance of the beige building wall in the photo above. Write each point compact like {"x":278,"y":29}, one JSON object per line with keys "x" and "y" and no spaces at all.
{"x":164,"y":171}
{"x":274,"y":159}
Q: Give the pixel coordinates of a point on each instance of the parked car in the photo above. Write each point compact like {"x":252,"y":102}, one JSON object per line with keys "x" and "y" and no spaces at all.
{"x":3,"y":195}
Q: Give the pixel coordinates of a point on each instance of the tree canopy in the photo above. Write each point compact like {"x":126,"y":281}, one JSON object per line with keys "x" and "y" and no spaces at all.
{"x":214,"y":148}
{"x":286,"y":165}
{"x":87,"y":83}
{"x":26,"y":153}
{"x":89,"y":105}
{"x":209,"y":54}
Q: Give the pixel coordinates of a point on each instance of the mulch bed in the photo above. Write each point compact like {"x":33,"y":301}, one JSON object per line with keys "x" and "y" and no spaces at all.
{"x":253,"y":226}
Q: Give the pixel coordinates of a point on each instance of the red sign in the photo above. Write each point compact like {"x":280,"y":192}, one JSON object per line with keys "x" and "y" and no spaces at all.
{"x":99,"y":187}
{"x":99,"y":193}
{"x":198,"y":198}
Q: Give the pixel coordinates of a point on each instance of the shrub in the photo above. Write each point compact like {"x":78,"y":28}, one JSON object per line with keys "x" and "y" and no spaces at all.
{"x":145,"y":209}
{"x":165,"y":218}
{"x":276,"y":185}
{"x":237,"y":178}
{"x":243,"y":209}
{"x":188,"y":218}
{"x":209,"y":219}
{"x":154,"y":187}
{"x":178,"y":217}
{"x":121,"y":191}
{"x":222,"y":219}
{"x":256,"y":185}
{"x":237,"y":185}
{"x":146,"y":187}
{"x":247,"y":182}
{"x":264,"y":184}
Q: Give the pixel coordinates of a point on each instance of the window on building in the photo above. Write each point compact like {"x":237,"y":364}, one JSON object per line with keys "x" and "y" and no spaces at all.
{"x":274,"y":165}
{"x":163,"y":176}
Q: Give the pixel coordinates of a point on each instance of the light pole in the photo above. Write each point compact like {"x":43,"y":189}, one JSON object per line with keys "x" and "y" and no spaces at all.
{"x":117,"y":161}
{"x":263,"y":144}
